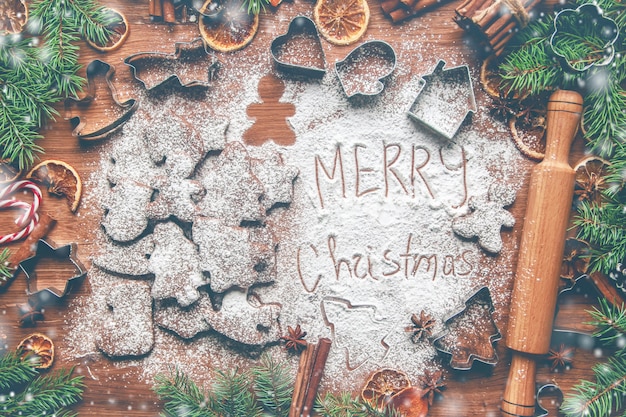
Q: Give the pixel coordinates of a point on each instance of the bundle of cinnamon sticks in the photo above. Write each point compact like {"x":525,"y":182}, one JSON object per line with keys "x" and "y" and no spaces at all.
{"x":310,"y":370}
{"x":495,"y":21}
{"x":162,"y":9}
{"x":399,"y":10}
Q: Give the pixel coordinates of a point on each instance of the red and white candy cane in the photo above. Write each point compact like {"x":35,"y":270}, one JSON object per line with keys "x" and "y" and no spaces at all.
{"x":29,"y":217}
{"x":26,"y":230}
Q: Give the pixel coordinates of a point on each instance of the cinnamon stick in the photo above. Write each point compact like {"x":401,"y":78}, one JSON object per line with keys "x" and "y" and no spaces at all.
{"x":303,"y":376}
{"x":169,"y":14}
{"x":608,"y":291}
{"x":321,"y":355}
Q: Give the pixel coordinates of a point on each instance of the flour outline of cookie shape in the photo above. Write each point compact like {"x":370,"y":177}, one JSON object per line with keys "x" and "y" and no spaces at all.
{"x":174,"y":263}
{"x":277,"y":179}
{"x":174,"y":197}
{"x":486,"y":218}
{"x":127,"y":259}
{"x":331,"y":307}
{"x":240,"y":320}
{"x":127,"y":327}
{"x":234,"y":256}
{"x":125,"y":216}
{"x":233,"y":193}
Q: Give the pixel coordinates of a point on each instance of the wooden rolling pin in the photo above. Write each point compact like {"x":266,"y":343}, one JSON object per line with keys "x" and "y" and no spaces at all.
{"x":541,"y":252}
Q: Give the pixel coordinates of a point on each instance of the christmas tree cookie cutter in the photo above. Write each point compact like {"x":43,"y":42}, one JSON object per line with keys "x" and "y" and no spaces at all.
{"x":445,"y":99}
{"x":606,"y":30}
{"x":475,"y":315}
{"x":87,"y":129}
{"x":301,"y":35}
{"x":194,"y":54}
{"x":364,"y":70}
{"x":48,"y":249}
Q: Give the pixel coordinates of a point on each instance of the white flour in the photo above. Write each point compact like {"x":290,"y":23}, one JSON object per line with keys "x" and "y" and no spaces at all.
{"x":367,"y":240}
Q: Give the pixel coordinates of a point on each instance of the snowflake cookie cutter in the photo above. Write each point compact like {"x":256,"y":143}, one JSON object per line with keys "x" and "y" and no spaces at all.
{"x":607,"y":31}
{"x":546,"y":390}
{"x":186,"y":53}
{"x":465,"y":351}
{"x":445,"y":99}
{"x":82,"y":127}
{"x":364,"y":70}
{"x":48,"y":249}
{"x":303,"y":29}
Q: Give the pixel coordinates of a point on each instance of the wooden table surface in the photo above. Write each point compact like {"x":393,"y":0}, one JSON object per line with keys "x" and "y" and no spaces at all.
{"x":475,"y":393}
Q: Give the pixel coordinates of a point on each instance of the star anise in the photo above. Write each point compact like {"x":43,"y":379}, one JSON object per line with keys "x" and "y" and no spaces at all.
{"x":432,"y":384}
{"x":294,"y":340}
{"x":504,"y":107}
{"x":29,"y":315}
{"x":421,"y":326}
{"x":561,"y":357}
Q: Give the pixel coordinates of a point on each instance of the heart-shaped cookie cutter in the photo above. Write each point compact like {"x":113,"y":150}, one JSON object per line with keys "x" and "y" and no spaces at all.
{"x":304,"y":27}
{"x":373,"y":60}
{"x":48,"y":249}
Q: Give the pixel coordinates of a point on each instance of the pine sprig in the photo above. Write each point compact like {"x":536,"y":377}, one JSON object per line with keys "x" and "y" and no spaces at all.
{"x":34,"y":76}
{"x":14,"y":372}
{"x":344,"y":405}
{"x":273,"y":386}
{"x":182,"y":397}
{"x":606,"y":394}
{"x":232,"y":394}
{"x":255,"y":6}
{"x":5,"y":271}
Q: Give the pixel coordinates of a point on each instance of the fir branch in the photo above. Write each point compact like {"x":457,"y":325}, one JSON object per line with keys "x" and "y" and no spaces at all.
{"x":232,"y":395}
{"x":609,"y":321}
{"x":14,"y":371}
{"x":343,"y":405}
{"x":5,"y":273}
{"x":46,"y":395}
{"x":182,"y":397}
{"x":600,"y":398}
{"x":255,"y":6}
{"x":273,"y":386}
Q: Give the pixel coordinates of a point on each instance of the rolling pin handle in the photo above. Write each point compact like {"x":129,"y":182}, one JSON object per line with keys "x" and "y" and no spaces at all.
{"x":519,"y":394}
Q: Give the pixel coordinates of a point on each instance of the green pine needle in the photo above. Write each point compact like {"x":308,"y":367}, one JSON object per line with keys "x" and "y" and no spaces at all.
{"x":232,"y":394}
{"x":343,"y":405}
{"x":5,"y":271}
{"x":14,"y":372}
{"x":182,"y":397}
{"x":273,"y":386}
{"x":255,"y":6}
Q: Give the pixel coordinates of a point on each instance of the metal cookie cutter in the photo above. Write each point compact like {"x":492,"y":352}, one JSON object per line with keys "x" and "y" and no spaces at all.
{"x":175,"y":65}
{"x":49,"y":250}
{"x":299,"y":51}
{"x":83,"y":129}
{"x":467,"y":340}
{"x":445,"y":99}
{"x":364,"y":70}
{"x":606,"y":30}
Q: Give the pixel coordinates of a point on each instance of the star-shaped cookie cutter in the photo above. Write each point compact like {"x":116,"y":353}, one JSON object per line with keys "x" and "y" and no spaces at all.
{"x":48,"y":249}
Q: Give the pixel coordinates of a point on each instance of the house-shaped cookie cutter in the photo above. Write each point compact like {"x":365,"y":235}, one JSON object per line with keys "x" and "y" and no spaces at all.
{"x":50,"y":295}
{"x":444,"y":100}
{"x":299,"y":26}
{"x":374,"y":60}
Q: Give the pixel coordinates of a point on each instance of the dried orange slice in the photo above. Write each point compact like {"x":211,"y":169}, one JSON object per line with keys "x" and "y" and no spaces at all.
{"x":226,"y":26}
{"x":38,"y":349}
{"x":410,"y":402}
{"x":341,"y":22}
{"x":383,"y":384}
{"x":8,"y":171}
{"x":590,"y":178}
{"x":60,"y":178}
{"x":119,"y":31}
{"x":491,"y":80}
{"x":13,"y":16}
{"x":529,"y":135}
